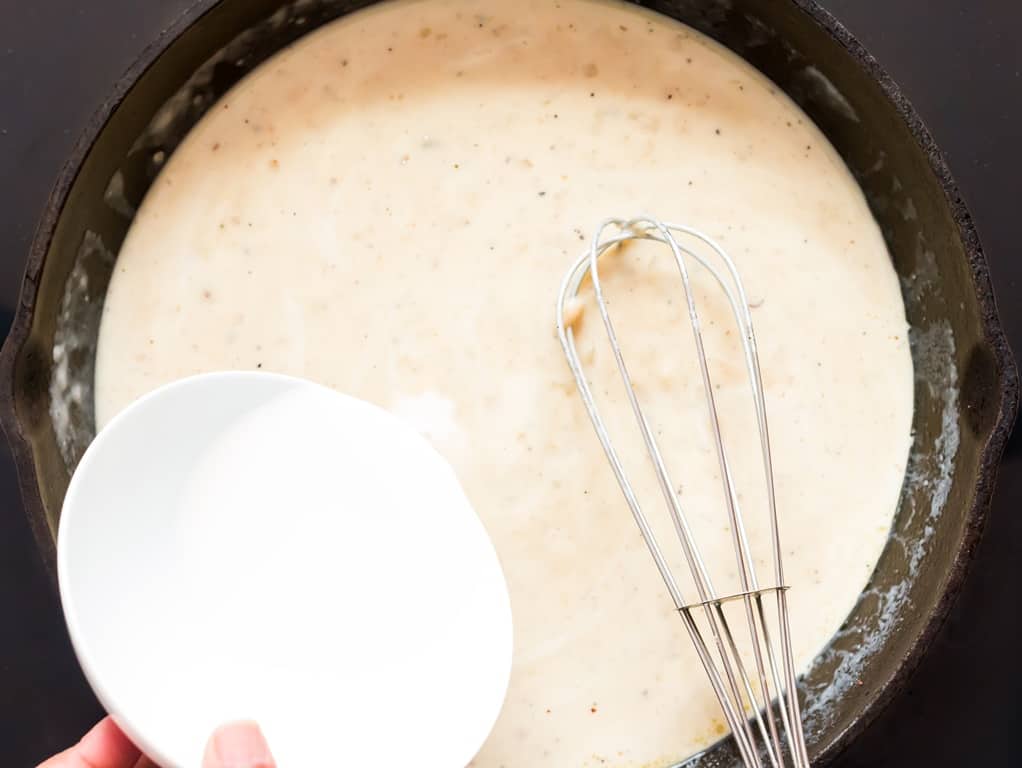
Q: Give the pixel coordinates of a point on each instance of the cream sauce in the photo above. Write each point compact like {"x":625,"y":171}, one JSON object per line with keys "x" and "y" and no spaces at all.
{"x":388,"y":207}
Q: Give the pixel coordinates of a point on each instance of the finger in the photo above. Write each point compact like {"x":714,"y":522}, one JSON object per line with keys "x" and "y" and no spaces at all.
{"x":238,"y":745}
{"x":102,"y":747}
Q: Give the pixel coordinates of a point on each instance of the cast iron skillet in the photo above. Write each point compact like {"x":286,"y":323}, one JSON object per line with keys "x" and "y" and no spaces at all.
{"x":966,"y":382}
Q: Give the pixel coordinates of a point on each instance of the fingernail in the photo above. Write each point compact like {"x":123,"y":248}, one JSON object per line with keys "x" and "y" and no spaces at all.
{"x":242,"y":745}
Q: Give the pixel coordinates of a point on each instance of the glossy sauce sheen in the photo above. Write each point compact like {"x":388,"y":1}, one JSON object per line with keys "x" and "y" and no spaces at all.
{"x":388,"y":208}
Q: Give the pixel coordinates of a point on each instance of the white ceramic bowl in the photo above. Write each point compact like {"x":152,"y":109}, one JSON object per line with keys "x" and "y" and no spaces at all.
{"x":253,"y":546}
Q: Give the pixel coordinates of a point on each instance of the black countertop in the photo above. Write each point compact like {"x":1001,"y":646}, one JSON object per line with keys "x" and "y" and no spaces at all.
{"x":960,"y":63}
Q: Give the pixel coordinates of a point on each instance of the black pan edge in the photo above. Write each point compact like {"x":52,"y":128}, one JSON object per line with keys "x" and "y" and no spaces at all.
{"x":1007,"y":375}
{"x":21,"y":325}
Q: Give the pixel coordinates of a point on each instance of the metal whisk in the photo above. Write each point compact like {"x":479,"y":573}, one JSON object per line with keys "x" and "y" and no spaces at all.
{"x":736,"y":687}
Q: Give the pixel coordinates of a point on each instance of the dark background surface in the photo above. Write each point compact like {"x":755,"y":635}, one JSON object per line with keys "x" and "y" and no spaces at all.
{"x":958,"y":61}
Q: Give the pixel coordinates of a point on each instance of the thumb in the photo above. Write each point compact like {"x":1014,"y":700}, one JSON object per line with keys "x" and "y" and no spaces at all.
{"x":238,"y":745}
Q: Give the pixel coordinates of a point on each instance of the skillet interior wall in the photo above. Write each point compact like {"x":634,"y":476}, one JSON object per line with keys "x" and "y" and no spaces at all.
{"x":956,"y":366}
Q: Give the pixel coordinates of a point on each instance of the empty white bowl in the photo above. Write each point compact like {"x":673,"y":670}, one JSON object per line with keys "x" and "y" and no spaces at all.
{"x":253,"y":546}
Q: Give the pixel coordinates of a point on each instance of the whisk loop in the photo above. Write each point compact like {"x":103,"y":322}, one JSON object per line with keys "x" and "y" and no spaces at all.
{"x":736,"y":687}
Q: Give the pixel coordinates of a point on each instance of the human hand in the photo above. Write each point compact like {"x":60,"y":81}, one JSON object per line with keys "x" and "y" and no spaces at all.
{"x":238,"y":745}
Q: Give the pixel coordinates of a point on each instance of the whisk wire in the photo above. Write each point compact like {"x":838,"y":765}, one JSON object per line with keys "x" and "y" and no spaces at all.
{"x":737,"y":723}
{"x":700,"y":575}
{"x":746,"y":565}
{"x":732,"y":696}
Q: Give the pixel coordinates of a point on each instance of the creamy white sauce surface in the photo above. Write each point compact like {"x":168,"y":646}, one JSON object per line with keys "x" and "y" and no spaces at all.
{"x":388,"y":207}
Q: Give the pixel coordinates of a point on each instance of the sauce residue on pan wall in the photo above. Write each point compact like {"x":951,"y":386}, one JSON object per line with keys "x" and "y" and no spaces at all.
{"x":387,"y":208}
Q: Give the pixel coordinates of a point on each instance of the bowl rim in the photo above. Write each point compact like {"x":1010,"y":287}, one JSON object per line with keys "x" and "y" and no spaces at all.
{"x":1007,"y":383}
